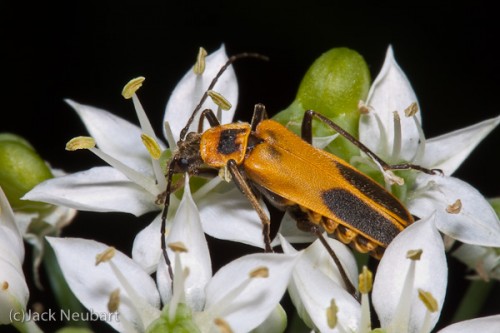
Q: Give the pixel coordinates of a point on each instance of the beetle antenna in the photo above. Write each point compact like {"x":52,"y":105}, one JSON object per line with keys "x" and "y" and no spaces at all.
{"x":229,"y":61}
{"x":164,"y":213}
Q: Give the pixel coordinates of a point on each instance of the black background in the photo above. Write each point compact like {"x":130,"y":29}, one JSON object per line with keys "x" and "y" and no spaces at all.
{"x":87,"y":51}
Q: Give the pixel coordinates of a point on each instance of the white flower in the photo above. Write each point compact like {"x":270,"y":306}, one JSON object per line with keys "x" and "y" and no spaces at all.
{"x":14,"y":291}
{"x":233,"y":296}
{"x":316,"y":282}
{"x":135,"y":181}
{"x":441,"y":202}
{"x":484,"y":325}
{"x":461,"y":211}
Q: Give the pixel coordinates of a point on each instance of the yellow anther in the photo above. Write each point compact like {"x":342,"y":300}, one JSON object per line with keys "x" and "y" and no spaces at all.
{"x":105,"y":256}
{"x":428,"y":300}
{"x":414,"y":254}
{"x":395,"y":114}
{"x":365,"y":281}
{"x":411,"y":110}
{"x":222,"y":325}
{"x":260,"y":272}
{"x":219,"y":100}
{"x":80,"y":142}
{"x":363,"y":108}
{"x":152,"y":146}
{"x":455,"y":207}
{"x":114,"y":300}
{"x":178,"y":247}
{"x":132,"y":86}
{"x":331,"y":314}
{"x":5,"y":285}
{"x":199,"y":66}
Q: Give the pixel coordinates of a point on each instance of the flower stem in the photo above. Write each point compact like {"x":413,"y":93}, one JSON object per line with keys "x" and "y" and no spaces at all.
{"x":473,"y":300}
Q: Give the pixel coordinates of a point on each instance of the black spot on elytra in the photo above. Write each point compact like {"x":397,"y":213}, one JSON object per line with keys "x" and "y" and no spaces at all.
{"x":356,"y":213}
{"x":373,"y":190}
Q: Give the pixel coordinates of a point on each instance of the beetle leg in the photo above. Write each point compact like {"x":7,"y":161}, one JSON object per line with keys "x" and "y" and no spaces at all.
{"x":307,"y":136}
{"x":243,"y":186}
{"x":348,"y":284}
{"x":305,"y":224}
{"x":259,"y":114}
{"x":210,"y":116}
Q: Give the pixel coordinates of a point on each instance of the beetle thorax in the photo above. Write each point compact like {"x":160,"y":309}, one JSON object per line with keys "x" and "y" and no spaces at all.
{"x":222,"y":143}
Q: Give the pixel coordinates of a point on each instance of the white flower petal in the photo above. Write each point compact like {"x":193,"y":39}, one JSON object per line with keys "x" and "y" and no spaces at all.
{"x":289,"y":230}
{"x":186,"y":228}
{"x":489,"y":324}
{"x":115,"y":136}
{"x":258,"y":300}
{"x":92,"y":284}
{"x":100,"y":189}
{"x":448,"y":151}
{"x":14,"y":291}
{"x":187,"y":94}
{"x":316,"y":281}
{"x":391,"y":91}
{"x":10,"y":231}
{"x":146,"y":250}
{"x":430,"y":274}
{"x":227,"y":214}
{"x":475,"y":223}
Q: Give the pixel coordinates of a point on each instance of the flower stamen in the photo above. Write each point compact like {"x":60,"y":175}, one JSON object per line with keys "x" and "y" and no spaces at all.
{"x":455,"y":207}
{"x":396,"y":147}
{"x":132,"y":86}
{"x":114,"y":300}
{"x":180,"y":277}
{"x":151,"y":145}
{"x":80,"y":142}
{"x":222,"y":325}
{"x":431,"y":306}
{"x":199,"y":66}
{"x":402,"y":316}
{"x":365,"y":286}
{"x":140,"y":179}
{"x":331,"y":314}
{"x":105,"y":256}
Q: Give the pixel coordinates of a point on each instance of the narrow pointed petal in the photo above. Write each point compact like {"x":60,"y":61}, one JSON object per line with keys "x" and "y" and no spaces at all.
{"x":391,"y":91}
{"x":146,"y":250}
{"x":474,"y":223}
{"x":489,"y":324}
{"x":14,"y":291}
{"x":227,"y":214}
{"x":92,"y":284}
{"x":186,"y":228}
{"x":115,"y":136}
{"x":100,"y":189}
{"x":259,"y":299}
{"x":431,"y":274}
{"x":316,"y":281}
{"x":188,"y":92}
{"x":448,"y":151}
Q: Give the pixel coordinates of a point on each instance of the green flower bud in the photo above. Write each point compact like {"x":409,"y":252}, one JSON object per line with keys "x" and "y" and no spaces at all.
{"x":21,"y":168}
{"x":333,"y":86}
{"x":182,"y":323}
{"x":495,"y":203}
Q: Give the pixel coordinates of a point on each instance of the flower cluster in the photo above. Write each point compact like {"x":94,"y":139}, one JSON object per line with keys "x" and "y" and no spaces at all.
{"x":245,"y":294}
